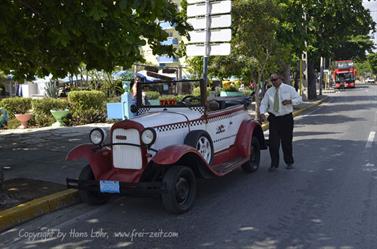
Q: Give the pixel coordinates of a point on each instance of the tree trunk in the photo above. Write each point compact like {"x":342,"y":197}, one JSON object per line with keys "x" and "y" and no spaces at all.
{"x":312,"y":89}
{"x":297,"y":77}
{"x":1,"y":180}
{"x":287,"y":73}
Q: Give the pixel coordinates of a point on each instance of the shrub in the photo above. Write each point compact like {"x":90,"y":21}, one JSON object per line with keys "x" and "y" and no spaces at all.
{"x":52,"y":89}
{"x":42,"y":107}
{"x":152,"y":94}
{"x":16,"y":105}
{"x":230,"y":88}
{"x":247,"y":92}
{"x":196,"y":91}
{"x":87,"y":106}
{"x":87,"y":99}
{"x":13,"y":123}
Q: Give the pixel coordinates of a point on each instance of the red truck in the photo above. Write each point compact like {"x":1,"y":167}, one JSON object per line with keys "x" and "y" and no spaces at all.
{"x":344,"y":74}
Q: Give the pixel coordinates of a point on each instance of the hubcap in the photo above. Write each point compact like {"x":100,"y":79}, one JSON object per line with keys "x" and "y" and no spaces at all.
{"x":204,"y":148}
{"x":182,"y":188}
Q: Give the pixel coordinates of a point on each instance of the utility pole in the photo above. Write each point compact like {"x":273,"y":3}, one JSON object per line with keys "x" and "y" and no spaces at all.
{"x":304,"y":66}
{"x":206,"y":43}
{"x":322,"y":65}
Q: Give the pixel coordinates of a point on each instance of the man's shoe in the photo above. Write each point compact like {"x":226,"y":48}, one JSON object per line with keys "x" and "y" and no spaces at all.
{"x":290,"y":166}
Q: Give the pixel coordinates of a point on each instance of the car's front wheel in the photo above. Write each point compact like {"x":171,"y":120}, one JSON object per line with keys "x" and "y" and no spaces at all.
{"x":179,"y":191}
{"x":253,"y":163}
{"x":90,"y":197}
{"x":202,"y":142}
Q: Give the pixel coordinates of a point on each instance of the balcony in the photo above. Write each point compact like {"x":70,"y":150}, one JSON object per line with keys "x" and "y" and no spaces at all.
{"x":170,"y":41}
{"x":164,"y":59}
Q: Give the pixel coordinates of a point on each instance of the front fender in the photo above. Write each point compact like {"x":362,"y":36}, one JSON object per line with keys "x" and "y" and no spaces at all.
{"x":99,"y":160}
{"x":185,"y":155}
{"x":83,"y":151}
{"x":173,"y":153}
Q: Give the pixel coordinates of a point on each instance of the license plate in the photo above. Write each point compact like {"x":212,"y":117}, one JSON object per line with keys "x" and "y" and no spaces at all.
{"x":109,"y":186}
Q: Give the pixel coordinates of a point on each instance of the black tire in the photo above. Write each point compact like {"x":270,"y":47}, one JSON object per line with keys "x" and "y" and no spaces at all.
{"x":253,"y":164}
{"x":180,"y":189}
{"x":91,"y":197}
{"x":194,"y":137}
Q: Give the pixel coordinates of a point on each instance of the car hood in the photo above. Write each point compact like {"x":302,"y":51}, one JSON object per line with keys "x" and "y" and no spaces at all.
{"x":153,"y":119}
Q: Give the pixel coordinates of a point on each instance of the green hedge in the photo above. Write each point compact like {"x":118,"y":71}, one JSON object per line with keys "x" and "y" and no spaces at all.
{"x":87,"y":106}
{"x":16,"y":105}
{"x":42,"y":107}
{"x":196,"y":91}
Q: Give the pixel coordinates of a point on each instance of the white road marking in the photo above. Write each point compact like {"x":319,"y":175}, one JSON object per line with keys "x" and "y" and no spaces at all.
{"x":370,"y":139}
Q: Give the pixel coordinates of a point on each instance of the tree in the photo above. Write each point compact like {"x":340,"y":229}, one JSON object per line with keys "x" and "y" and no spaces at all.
{"x":332,"y":27}
{"x":364,"y":68}
{"x":372,"y":59}
{"x":41,"y":37}
{"x":254,"y":44}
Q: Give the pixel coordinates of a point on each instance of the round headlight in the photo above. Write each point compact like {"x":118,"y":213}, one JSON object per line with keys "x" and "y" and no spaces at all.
{"x":97,"y":136}
{"x":148,"y":136}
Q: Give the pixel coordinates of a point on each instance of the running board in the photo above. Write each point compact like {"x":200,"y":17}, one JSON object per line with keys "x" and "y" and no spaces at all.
{"x":227,"y":167}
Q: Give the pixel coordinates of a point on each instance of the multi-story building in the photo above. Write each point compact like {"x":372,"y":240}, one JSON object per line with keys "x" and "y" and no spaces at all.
{"x":173,"y":39}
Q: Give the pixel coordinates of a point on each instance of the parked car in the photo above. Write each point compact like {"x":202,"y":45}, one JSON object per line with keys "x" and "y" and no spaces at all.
{"x":369,"y":81}
{"x":168,"y":145}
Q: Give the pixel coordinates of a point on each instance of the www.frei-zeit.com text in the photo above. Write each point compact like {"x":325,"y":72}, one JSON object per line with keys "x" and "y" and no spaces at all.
{"x":100,"y":233}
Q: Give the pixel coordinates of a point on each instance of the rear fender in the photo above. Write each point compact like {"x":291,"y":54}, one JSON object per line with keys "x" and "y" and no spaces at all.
{"x":99,"y":159}
{"x":184,"y":155}
{"x":248,"y":129}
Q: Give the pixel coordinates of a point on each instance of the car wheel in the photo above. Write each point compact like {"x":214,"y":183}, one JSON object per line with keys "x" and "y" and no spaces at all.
{"x":90,"y":197}
{"x":253,"y":164}
{"x":180,"y":189}
{"x":202,"y":142}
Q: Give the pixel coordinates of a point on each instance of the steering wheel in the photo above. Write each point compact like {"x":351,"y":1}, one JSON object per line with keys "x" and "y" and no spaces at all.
{"x":189,"y":99}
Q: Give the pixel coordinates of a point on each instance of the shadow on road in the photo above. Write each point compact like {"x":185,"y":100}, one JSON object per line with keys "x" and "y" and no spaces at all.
{"x":326,"y":119}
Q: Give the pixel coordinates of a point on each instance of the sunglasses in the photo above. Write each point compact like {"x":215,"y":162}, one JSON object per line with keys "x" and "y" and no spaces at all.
{"x":274,"y":79}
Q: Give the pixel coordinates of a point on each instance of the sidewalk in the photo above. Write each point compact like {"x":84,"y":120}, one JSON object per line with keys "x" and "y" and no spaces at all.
{"x":34,"y":167}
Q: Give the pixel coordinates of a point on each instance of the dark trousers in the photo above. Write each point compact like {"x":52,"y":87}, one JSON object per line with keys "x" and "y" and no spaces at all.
{"x":281,"y":131}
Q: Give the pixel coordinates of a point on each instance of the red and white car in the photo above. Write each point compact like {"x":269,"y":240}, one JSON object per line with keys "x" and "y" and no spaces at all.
{"x":168,"y":145}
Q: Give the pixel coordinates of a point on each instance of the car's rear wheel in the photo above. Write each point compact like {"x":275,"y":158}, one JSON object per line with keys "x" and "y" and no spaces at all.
{"x":202,"y":142}
{"x":179,"y":192}
{"x":90,"y":197}
{"x":253,"y":164}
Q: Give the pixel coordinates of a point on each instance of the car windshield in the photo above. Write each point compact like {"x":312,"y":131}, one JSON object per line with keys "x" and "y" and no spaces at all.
{"x":170,"y":93}
{"x":344,"y":77}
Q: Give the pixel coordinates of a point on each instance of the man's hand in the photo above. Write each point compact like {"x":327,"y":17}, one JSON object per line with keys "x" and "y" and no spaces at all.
{"x":262,"y":118}
{"x":287,"y":102}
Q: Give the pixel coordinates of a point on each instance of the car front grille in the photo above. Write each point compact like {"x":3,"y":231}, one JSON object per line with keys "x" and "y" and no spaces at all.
{"x":126,"y":156}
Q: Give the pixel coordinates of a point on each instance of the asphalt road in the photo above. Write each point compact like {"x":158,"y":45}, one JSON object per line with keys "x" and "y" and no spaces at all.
{"x":328,"y":201}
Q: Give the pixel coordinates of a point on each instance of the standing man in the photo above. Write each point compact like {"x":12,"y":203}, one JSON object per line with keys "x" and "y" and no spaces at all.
{"x":278,"y":102}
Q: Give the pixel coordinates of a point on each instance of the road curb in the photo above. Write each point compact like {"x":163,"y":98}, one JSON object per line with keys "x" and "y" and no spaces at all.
{"x":37,"y":207}
{"x":299,"y":112}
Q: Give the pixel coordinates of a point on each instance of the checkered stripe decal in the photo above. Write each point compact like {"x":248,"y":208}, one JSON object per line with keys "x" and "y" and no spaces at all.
{"x":143,"y":110}
{"x":199,"y":109}
{"x":197,"y":122}
{"x":171,"y":127}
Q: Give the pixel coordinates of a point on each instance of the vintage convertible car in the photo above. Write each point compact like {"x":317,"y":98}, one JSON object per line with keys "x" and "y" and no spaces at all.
{"x":174,"y":139}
